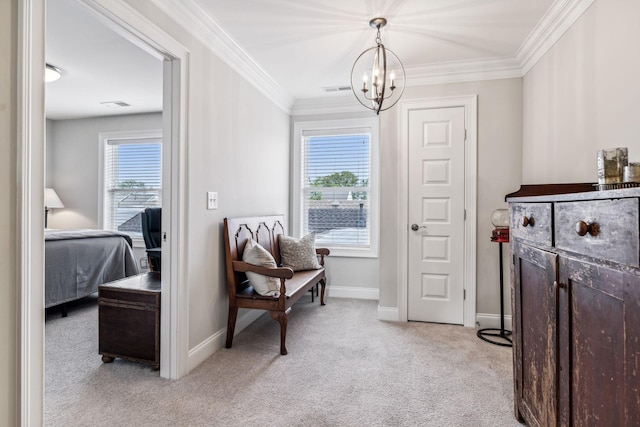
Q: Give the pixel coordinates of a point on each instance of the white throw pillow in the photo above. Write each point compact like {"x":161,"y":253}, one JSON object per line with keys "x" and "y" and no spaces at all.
{"x":257,"y":255}
{"x":299,"y":254}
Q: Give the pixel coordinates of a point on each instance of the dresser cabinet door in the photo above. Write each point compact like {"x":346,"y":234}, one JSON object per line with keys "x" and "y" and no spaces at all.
{"x":593,"y":370}
{"x":592,"y":322}
{"x":535,"y":356}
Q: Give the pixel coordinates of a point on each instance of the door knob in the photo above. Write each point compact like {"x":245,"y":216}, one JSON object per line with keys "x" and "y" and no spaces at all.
{"x":416,"y":227}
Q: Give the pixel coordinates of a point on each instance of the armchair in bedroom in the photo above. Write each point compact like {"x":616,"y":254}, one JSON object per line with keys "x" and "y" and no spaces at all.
{"x":151,"y":231}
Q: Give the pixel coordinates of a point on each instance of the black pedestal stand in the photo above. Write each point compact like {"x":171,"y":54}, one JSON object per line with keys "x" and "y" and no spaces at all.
{"x":494,"y":335}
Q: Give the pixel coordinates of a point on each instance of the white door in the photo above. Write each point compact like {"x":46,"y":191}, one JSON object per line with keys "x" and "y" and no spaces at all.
{"x":436,"y":215}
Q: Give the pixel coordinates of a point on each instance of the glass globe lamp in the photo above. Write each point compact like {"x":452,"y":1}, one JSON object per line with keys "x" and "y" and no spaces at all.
{"x":500,"y":218}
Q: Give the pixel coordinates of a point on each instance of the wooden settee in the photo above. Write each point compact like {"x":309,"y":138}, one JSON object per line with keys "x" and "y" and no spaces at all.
{"x":265,"y":230}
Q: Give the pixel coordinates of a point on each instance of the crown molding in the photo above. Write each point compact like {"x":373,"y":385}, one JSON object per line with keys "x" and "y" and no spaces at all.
{"x":558,"y":19}
{"x":344,"y":103}
{"x":195,"y":19}
{"x":463,"y":71}
{"x":199,"y":22}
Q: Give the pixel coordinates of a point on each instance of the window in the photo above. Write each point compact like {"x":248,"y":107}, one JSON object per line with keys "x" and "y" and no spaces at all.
{"x":132,"y":179}
{"x":336,"y":184}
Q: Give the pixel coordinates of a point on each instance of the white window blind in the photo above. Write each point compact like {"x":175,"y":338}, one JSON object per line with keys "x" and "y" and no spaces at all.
{"x":132,"y":182}
{"x":336,"y":175}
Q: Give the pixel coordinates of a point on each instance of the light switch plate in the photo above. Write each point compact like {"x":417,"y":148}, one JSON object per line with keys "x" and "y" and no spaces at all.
{"x":212,"y":200}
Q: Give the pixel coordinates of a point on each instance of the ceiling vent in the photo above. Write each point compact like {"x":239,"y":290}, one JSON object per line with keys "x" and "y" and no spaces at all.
{"x":336,"y":89}
{"x":115,"y":104}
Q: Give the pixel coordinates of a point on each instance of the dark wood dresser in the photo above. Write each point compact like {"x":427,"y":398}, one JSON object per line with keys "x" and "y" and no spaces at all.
{"x":576,"y":302}
{"x":129,"y":319}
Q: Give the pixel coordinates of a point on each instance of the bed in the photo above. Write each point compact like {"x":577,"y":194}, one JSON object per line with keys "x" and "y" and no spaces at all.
{"x":78,"y":261}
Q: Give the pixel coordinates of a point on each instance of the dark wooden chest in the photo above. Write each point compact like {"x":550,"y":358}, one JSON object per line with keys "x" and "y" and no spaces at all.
{"x":576,"y":304}
{"x":129,"y":319}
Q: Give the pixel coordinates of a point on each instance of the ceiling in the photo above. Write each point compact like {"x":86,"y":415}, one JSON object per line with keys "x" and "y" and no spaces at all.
{"x":98,"y":65}
{"x":303,"y":45}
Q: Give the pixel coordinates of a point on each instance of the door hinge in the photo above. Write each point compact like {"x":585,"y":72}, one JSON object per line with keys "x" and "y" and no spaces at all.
{"x":464,"y":294}
{"x":465,"y":214}
{"x":465,"y":134}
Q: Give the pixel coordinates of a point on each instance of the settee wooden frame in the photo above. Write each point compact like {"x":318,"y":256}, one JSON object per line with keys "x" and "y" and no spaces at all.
{"x":265,"y":230}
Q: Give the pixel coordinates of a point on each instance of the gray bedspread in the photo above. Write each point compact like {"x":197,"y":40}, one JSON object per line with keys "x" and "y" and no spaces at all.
{"x":78,"y":261}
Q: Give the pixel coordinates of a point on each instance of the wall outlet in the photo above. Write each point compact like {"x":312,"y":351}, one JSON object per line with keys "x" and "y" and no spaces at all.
{"x":212,"y":200}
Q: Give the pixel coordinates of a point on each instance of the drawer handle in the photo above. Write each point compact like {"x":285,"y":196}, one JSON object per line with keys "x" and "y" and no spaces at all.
{"x":582,"y":228}
{"x":528,"y":222}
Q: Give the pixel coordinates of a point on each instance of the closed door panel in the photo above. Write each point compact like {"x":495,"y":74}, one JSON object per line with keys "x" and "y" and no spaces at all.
{"x":436,"y":212}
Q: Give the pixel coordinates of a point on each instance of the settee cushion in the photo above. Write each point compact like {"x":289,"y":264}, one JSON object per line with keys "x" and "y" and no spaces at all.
{"x":257,"y":255}
{"x":299,"y":254}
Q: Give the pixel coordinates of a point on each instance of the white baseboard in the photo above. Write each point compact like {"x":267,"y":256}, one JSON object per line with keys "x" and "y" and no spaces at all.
{"x":352,"y":292}
{"x":215,"y":342}
{"x":485,"y":320}
{"x":391,"y":314}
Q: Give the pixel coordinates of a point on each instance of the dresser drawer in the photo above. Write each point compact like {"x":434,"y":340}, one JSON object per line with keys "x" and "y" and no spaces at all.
{"x":532,"y":222}
{"x":606,"y":229}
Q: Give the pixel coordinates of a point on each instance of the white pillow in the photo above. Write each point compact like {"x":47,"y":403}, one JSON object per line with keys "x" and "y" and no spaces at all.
{"x":257,"y":255}
{"x":299,"y":254}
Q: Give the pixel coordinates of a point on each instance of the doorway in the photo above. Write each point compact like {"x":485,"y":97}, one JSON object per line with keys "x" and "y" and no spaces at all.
{"x":30,"y":170}
{"x":438,"y":209}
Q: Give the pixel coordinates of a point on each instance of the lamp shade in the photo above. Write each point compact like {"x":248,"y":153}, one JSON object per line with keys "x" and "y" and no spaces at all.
{"x":51,"y":199}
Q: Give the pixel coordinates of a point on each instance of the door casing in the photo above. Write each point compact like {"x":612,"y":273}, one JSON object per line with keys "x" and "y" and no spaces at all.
{"x":470,"y":104}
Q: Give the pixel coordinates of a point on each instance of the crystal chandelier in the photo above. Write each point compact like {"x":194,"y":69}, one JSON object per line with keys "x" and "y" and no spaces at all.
{"x":382,"y":68}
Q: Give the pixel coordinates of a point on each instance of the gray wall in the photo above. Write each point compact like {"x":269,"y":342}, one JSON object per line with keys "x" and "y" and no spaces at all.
{"x":499,"y":171}
{"x":583,"y":95}
{"x":73,"y":153}
{"x":238,"y":145}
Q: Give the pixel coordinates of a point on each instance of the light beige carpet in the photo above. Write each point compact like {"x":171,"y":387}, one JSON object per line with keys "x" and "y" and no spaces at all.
{"x":344,"y":368}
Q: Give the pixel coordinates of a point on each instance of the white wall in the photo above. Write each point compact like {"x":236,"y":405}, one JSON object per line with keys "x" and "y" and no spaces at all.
{"x":73,"y":153}
{"x":9,"y":327}
{"x":583,"y":95}
{"x":499,"y":172}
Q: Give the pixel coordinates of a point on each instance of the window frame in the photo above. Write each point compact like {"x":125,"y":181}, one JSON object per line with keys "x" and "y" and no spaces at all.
{"x":104,"y":139}
{"x":297,"y":205}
